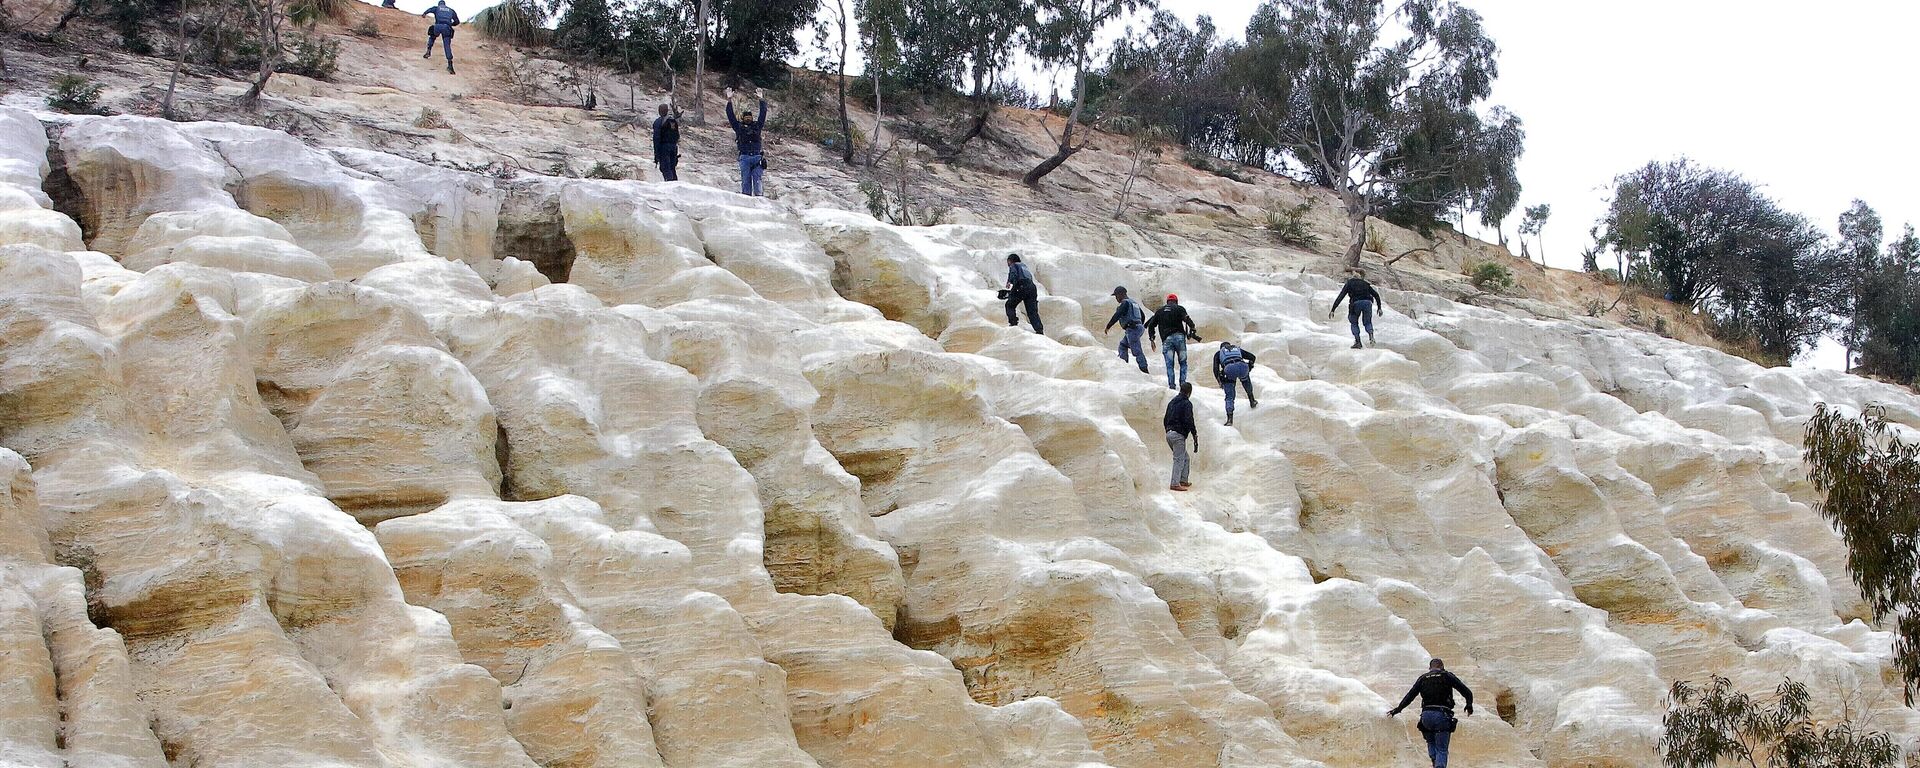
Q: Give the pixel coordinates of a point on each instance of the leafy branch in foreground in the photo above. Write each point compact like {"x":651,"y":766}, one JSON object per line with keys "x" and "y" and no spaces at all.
{"x":1714,"y":724}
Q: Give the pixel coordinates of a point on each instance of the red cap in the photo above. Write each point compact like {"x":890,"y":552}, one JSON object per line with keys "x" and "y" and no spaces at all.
{"x":1173,"y":297}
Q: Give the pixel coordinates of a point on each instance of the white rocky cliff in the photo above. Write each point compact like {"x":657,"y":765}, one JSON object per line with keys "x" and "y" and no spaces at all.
{"x":306,"y":464}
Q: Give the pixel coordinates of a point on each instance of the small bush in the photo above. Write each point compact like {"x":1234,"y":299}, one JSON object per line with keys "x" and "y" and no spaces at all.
{"x":314,"y":57}
{"x":1594,"y":307}
{"x":1376,"y":242}
{"x":431,"y":119}
{"x":367,"y":28}
{"x":76,"y":94}
{"x":608,"y":171}
{"x":1289,"y":226}
{"x":1610,"y":276}
{"x":1490,"y":276}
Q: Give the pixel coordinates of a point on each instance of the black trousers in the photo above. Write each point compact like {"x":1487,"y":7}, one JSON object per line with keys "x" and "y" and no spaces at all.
{"x":1032,"y":300}
{"x":668,"y":158}
{"x":444,"y":34}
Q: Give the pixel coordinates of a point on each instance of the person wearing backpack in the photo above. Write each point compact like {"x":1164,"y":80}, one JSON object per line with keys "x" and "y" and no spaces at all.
{"x":747,"y":139}
{"x":1021,"y":289}
{"x":444,"y":20}
{"x":666,"y":143}
{"x":1133,"y":324}
{"x":1361,"y":298}
{"x":1174,"y":329}
{"x":1179,"y":425}
{"x":1233,"y":365}
{"x":1435,"y":689}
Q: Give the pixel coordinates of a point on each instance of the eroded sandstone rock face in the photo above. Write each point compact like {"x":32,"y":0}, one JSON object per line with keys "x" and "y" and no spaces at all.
{"x":326,"y":458}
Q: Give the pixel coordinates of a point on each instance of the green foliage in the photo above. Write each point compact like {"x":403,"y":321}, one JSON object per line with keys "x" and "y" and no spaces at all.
{"x":606,"y":170}
{"x":1289,"y":226}
{"x":1709,"y":239}
{"x":753,"y":38}
{"x":310,"y":12}
{"x":1887,"y":313}
{"x":313,"y":56}
{"x":1189,"y":94}
{"x":1871,"y":479}
{"x":1491,"y":276}
{"x":367,"y":28}
{"x":1378,"y":101}
{"x":75,"y":94}
{"x":587,"y":30}
{"x":1712,"y":725}
{"x":933,"y":46}
{"x":520,"y":22}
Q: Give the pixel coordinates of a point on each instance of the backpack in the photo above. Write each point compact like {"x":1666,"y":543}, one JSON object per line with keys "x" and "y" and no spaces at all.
{"x":1023,"y":280}
{"x":1135,"y":315}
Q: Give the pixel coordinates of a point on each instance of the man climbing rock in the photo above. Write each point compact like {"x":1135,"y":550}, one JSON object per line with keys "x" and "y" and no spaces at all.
{"x":1435,"y":689}
{"x":1133,"y":324}
{"x":746,"y":138}
{"x":1361,"y":298}
{"x":1233,"y":365}
{"x":666,"y":143}
{"x":1179,"y":425}
{"x":1021,"y":289}
{"x":1173,"y":328}
{"x":444,"y":20}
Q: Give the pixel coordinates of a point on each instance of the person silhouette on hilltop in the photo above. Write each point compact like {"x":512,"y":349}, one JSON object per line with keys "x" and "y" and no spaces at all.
{"x":444,"y":20}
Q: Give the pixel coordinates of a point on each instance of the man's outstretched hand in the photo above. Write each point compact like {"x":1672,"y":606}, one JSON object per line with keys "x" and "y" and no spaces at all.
{"x":1393,"y":712}
{"x":1469,"y":710}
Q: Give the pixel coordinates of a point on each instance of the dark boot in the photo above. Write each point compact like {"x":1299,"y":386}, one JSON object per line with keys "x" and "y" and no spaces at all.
{"x":1252,"y":403}
{"x":450,"y":68}
{"x":1356,"y":342}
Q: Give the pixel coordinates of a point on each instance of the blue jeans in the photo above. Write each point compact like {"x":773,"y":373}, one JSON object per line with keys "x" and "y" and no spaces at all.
{"x":1433,"y":726}
{"x":1237,"y":372}
{"x":750,"y":173}
{"x":1170,"y":348}
{"x":1357,"y":312}
{"x":1131,"y":343}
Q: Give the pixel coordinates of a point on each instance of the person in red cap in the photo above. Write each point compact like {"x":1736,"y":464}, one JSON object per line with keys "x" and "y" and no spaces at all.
{"x":1173,"y":328}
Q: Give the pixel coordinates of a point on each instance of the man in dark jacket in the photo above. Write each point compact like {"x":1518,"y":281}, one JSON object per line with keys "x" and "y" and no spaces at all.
{"x":444,"y":20}
{"x":1179,"y":425}
{"x":1133,"y":323}
{"x":1233,"y":365}
{"x":1174,"y":328}
{"x":1021,"y":289}
{"x":1361,"y":298}
{"x":666,"y":143}
{"x":1435,"y":689}
{"x":746,"y":138}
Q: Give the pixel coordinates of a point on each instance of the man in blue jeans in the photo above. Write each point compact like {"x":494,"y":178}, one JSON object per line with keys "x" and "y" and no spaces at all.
{"x":1435,"y":689}
{"x":1173,"y":328}
{"x":1361,"y":298}
{"x":1133,"y":324}
{"x":746,"y":138}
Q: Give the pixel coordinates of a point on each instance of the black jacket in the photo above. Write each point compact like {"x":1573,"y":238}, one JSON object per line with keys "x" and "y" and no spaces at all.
{"x":1179,"y":416}
{"x":1358,"y":290}
{"x":1220,"y":364}
{"x":1123,"y":315}
{"x":666,"y":133}
{"x":1169,"y":320}
{"x":1435,"y":689}
{"x":746,"y":133}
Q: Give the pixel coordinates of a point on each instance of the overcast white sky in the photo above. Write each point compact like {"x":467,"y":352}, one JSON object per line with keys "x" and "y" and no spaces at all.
{"x":1811,"y":101}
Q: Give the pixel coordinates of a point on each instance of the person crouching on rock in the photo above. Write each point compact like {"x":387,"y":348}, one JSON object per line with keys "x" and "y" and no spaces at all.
{"x":1021,"y":289}
{"x":746,"y":138}
{"x":1179,"y":425}
{"x":1133,"y":324}
{"x":1435,"y":689}
{"x":444,"y":20}
{"x":1233,"y":365}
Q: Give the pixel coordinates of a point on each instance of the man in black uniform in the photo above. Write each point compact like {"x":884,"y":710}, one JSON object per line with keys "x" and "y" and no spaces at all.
{"x":666,"y":143}
{"x":444,"y":20}
{"x":1435,"y":689}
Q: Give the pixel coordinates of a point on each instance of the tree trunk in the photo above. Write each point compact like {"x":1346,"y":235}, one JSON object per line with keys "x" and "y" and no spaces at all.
{"x":1066,"y":150}
{"x":983,"y":109}
{"x":1356,"y":226}
{"x":700,"y":66}
{"x":873,"y":142}
{"x":846,"y":122}
{"x":269,"y":48}
{"x":179,"y":60}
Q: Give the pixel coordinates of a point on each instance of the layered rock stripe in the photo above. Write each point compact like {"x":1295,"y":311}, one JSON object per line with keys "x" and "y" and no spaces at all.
{"x":305,"y":465}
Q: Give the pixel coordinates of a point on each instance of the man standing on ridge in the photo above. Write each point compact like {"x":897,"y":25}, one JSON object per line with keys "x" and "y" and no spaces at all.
{"x":1021,"y":289}
{"x":1174,"y":328}
{"x":1435,"y":689}
{"x":1133,"y":323}
{"x":666,"y":143}
{"x":746,"y":138}
{"x":1361,"y":299}
{"x":1179,"y":425}
{"x":444,"y":20}
{"x":1234,"y":365}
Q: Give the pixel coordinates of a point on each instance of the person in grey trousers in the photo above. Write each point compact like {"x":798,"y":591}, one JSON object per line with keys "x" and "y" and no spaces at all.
{"x":1179,"y":425}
